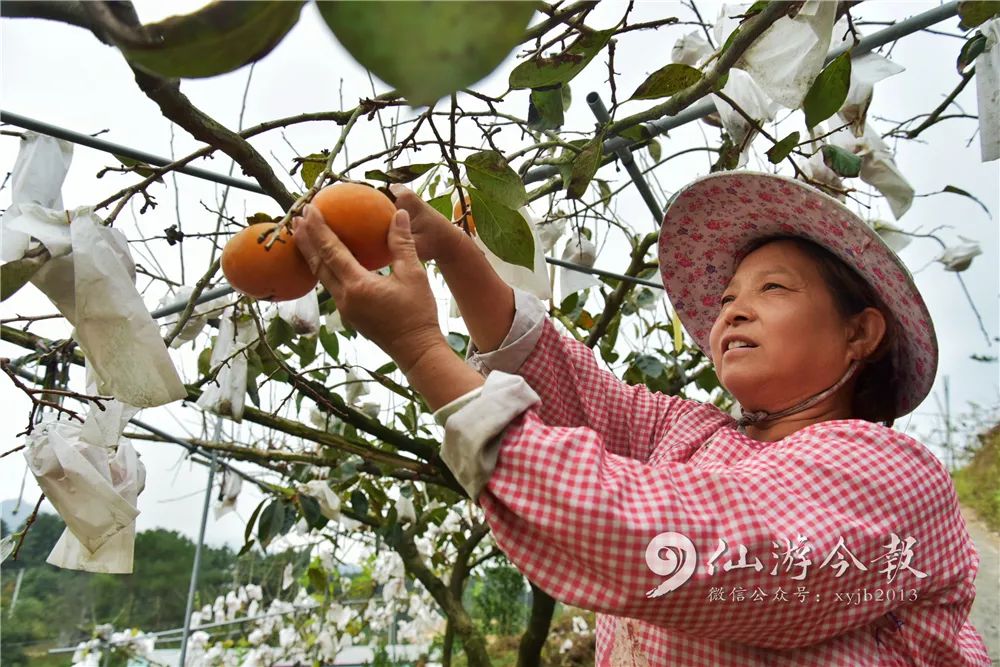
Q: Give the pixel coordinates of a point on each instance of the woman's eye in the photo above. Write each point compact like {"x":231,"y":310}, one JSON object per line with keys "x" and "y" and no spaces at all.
{"x":770,"y":285}
{"x":725,"y":300}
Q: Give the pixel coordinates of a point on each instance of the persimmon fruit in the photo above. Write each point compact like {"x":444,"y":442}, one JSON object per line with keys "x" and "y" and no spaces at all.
{"x":360,"y":216}
{"x":456,"y":215}
{"x":278,"y":273}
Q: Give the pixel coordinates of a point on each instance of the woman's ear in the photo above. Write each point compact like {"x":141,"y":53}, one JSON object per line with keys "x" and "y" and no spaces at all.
{"x":865,"y":333}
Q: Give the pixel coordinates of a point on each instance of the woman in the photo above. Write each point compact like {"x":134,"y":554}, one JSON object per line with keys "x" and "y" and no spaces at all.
{"x":802,"y":533}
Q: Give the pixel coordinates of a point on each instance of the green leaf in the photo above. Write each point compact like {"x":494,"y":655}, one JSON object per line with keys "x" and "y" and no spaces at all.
{"x":607,"y":344}
{"x":504,"y":231}
{"x":248,"y":531}
{"x":247,"y":546}
{"x":458,"y":342}
{"x":970,"y":51}
{"x":330,"y":343}
{"x":667,"y":81}
{"x":568,"y":304}
{"x":279,"y":332}
{"x":976,"y":12}
{"x":675,"y":324}
{"x":829,"y":91}
{"x":359,"y":502}
{"x":636,"y":134}
{"x":649,"y":365}
{"x":141,"y":168}
{"x":646,"y":298}
{"x":783,"y":148}
{"x":655,"y":150}
{"x":312,"y":167}
{"x":585,"y":166}
{"x":252,"y":389}
{"x":400,"y":174}
{"x":959,"y":191}
{"x":567,"y":97}
{"x":311,"y":511}
{"x":730,"y":40}
{"x":317,"y":579}
{"x":214,"y":40}
{"x":259,"y":217}
{"x":205,"y":361}
{"x":442,"y":205}
{"x":540,"y":72}
{"x":843,"y":162}
{"x":490,"y":173}
{"x":605,"y":191}
{"x":15,"y":275}
{"x":729,"y":155}
{"x":428,"y":50}
{"x":707,"y":380}
{"x":305,"y":347}
{"x":546,"y":108}
{"x":272,"y":520}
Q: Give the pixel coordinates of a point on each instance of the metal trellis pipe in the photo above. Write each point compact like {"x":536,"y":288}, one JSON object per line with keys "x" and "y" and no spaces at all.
{"x":196,"y":567}
{"x":625,"y":155}
{"x":124,"y":151}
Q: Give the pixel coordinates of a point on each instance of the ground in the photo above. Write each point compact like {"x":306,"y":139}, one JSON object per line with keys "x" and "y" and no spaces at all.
{"x":986,"y":609}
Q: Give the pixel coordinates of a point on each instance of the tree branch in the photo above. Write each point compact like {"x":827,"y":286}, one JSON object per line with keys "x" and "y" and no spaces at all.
{"x":529,"y":652}
{"x":71,"y":13}
{"x":105,"y":20}
{"x":472,"y":639}
{"x":614,"y":301}
{"x":748,"y":34}
{"x":376,"y":456}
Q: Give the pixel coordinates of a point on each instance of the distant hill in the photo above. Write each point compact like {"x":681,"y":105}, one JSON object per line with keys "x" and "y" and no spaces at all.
{"x":13,"y":519}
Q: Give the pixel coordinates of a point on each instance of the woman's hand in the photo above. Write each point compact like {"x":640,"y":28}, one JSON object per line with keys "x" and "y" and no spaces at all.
{"x":397,"y":312}
{"x":436,"y":237}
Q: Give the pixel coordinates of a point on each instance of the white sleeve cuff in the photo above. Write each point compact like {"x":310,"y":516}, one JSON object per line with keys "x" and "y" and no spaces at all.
{"x":441,"y":414}
{"x":471,"y":443}
{"x":525,"y":330}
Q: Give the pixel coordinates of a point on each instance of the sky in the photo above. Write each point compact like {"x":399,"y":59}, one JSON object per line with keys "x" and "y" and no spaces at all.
{"x":62,"y":75}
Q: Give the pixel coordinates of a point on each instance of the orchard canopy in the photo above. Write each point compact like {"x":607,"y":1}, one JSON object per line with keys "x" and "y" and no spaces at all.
{"x":138,"y":142}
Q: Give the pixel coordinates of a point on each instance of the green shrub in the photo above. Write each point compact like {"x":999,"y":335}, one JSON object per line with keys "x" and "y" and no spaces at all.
{"x":978,"y":482}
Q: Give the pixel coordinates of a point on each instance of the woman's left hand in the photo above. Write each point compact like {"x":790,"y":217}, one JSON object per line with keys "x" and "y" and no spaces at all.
{"x":397,"y":312}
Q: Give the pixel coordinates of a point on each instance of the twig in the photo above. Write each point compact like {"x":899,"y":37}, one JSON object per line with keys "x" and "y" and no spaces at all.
{"x":748,"y":34}
{"x":27,"y":525}
{"x":38,"y":403}
{"x":11,"y":451}
{"x":185,"y":315}
{"x":935,"y":115}
{"x":321,"y":179}
{"x":704,"y":26}
{"x":452,"y":163}
{"x":316,"y":392}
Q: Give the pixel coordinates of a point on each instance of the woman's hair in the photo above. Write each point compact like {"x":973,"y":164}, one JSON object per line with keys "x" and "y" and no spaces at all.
{"x":874,"y":391}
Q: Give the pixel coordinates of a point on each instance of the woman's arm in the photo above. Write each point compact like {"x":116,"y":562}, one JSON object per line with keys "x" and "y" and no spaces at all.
{"x":485,"y":302}
{"x":510,"y":332}
{"x":656,"y":542}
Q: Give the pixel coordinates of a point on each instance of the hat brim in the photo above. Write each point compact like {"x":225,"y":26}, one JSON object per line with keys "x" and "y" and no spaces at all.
{"x":710,"y":222}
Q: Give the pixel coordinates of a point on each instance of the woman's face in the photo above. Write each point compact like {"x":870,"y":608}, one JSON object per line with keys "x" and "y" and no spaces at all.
{"x":790,"y":340}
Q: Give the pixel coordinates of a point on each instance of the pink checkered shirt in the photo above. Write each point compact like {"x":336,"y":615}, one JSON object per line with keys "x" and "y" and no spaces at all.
{"x":841,"y":544}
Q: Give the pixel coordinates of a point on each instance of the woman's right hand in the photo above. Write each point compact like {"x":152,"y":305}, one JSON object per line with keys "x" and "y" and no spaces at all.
{"x":436,"y":237}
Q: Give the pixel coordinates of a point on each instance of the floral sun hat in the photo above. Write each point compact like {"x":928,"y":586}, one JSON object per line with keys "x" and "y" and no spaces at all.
{"x":710,"y":222}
